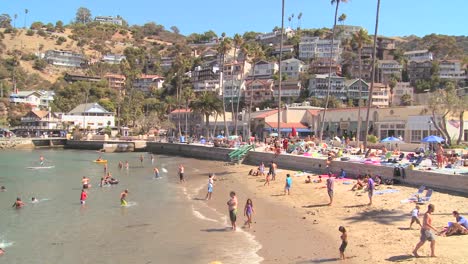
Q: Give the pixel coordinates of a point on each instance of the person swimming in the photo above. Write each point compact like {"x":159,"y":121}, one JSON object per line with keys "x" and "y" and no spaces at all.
{"x":99,"y":158}
{"x":156,"y":173}
{"x":34,"y":200}
{"x":123,"y":197}
{"x":2,"y":189}
{"x":18,"y":203}
{"x":41,"y":160}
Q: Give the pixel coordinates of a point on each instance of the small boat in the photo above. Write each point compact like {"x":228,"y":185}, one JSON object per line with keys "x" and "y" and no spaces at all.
{"x":100,"y":161}
{"x":41,"y":167}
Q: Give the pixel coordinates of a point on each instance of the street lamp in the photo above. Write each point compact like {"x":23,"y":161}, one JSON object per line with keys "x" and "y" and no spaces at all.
{"x":430,"y":124}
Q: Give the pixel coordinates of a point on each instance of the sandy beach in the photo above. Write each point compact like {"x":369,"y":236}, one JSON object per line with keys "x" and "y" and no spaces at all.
{"x":301,"y":228}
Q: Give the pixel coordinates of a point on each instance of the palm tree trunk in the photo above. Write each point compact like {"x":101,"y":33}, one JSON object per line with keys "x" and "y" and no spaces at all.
{"x":224,"y":96}
{"x":462,"y":127}
{"x":215,"y":124}
{"x":207,"y":125}
{"x":239,"y":96}
{"x":371,"y":90}
{"x":358,"y":129}
{"x":186,"y":118}
{"x":330,"y":73}
{"x":251,"y":101}
{"x":234,"y":117}
{"x":178,"y":107}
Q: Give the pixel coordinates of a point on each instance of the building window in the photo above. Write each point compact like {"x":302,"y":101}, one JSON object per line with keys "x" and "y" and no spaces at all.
{"x":415,"y":136}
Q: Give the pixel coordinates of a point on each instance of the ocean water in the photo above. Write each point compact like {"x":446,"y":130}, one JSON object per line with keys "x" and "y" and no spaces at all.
{"x":166,"y":222}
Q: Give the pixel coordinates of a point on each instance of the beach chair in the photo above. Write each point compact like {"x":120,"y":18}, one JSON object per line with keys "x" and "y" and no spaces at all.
{"x":420,"y":190}
{"x":425,"y":199}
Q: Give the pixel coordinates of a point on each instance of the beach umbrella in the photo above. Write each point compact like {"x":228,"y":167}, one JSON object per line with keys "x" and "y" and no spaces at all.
{"x":390,"y":139}
{"x":293,"y":132}
{"x":274,"y":134}
{"x":432,"y":139}
{"x":220,"y":136}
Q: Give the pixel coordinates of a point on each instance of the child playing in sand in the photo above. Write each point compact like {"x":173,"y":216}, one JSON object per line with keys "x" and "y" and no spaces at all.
{"x":267,"y":179}
{"x":415,"y":216}
{"x":248,"y":211}
{"x":344,"y":241}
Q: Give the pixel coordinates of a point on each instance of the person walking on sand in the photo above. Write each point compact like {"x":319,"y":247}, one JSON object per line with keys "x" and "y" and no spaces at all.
{"x":370,"y":188}
{"x":210,"y":186}
{"x":288,"y":184}
{"x":344,"y":241}
{"x":249,"y":211}
{"x":267,"y":179}
{"x":127,"y":166}
{"x":330,"y":187}
{"x":261,"y":169}
{"x":440,"y":156}
{"x":141,"y":160}
{"x":272,"y":170}
{"x":181,"y":172}
{"x":83,"y":197}
{"x":123,"y":198}
{"x":415,"y":217}
{"x":152,"y":159}
{"x":232,"y":207}
{"x":426,"y":234}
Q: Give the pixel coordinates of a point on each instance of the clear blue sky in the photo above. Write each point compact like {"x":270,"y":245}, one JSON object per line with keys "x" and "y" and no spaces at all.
{"x":398,"y":17}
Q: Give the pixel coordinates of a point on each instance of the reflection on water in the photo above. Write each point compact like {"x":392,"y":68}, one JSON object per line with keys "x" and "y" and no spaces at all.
{"x":162,"y":224}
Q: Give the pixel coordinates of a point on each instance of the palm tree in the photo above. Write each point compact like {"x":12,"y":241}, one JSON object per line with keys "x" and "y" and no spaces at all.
{"x":207,"y":104}
{"x":188,"y":96}
{"x":26,"y":11}
{"x":14,"y":20}
{"x":224,"y":47}
{"x":371,"y":90}
{"x":337,"y":2}
{"x":237,"y":45}
{"x":299,"y":17}
{"x":359,"y":39}
{"x":342,"y":18}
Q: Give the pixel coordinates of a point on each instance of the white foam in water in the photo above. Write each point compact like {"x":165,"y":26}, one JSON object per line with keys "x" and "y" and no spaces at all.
{"x":201,"y":216}
{"x":4,"y":244}
{"x":130,"y":204}
{"x":164,"y":170}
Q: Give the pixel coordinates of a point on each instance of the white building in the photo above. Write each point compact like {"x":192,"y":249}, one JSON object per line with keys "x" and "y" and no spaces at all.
{"x":65,"y":58}
{"x":92,"y":115}
{"x":36,"y":99}
{"x":418,"y":55}
{"x":290,"y":89}
{"x":401,"y":89}
{"x":40,"y":119}
{"x":113,"y":58}
{"x":318,"y":86}
{"x":315,"y":48}
{"x":233,"y":89}
{"x":293,"y":68}
{"x":386,"y":69}
{"x":264,"y":70}
{"x":109,"y":20}
{"x":346,"y":31}
{"x":148,"y":83}
{"x":451,"y":69}
{"x":381,"y":95}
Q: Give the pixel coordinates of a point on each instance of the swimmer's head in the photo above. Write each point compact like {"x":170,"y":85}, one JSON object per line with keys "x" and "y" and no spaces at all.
{"x":18,"y":199}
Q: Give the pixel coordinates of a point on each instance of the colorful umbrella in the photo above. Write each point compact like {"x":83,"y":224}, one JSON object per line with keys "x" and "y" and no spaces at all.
{"x":294,"y":132}
{"x":432,"y":139}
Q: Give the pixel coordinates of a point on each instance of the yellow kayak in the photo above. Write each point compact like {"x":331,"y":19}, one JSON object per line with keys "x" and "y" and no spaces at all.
{"x":100,"y":161}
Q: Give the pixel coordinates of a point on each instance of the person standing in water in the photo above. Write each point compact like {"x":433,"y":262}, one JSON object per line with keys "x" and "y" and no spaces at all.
{"x":232,"y":206}
{"x":41,"y":160}
{"x":249,"y":211}
{"x":156,"y":172}
{"x":18,"y":203}
{"x":120,"y":165}
{"x":141,"y":160}
{"x":152,"y":159}
{"x":123,"y":198}
{"x":181,"y":172}
{"x":83,"y":197}
{"x":426,"y":234}
{"x":126,"y":165}
{"x":210,"y":186}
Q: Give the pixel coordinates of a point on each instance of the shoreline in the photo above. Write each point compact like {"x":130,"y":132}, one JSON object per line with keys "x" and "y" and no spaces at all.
{"x":301,"y":228}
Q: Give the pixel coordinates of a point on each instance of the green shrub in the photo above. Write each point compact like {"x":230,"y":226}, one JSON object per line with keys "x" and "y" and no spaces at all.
{"x":42,"y":33}
{"x":40,"y":64}
{"x":61,"y":40}
{"x":30,"y":32}
{"x":28,"y":57}
{"x":372,"y":139}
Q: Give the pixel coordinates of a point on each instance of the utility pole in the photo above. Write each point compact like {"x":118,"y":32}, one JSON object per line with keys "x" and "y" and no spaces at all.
{"x":280,"y":71}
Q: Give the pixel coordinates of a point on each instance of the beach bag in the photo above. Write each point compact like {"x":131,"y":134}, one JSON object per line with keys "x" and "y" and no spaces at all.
{"x":344,"y":158}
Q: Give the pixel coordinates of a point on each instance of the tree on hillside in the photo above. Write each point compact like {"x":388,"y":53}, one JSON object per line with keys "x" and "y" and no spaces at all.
{"x":14,"y":20}
{"x":26,"y":11}
{"x":83,"y":15}
{"x":175,"y":29}
{"x":59,"y":27}
{"x":342,"y":18}
{"x":322,"y":123}
{"x":405,"y":100}
{"x":5,"y":21}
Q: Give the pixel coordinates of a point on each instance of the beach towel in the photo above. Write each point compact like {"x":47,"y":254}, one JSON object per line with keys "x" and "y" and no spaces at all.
{"x":386,"y":191}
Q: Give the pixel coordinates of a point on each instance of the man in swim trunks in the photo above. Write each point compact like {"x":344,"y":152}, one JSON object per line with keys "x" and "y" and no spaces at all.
{"x":18,"y":203}
{"x":83,"y":197}
{"x":426,"y":234}
{"x":85,"y":182}
{"x":41,"y":160}
{"x":123,"y":198}
{"x":232,"y":206}
{"x":141,"y":160}
{"x":156,"y":172}
{"x":181,"y":173}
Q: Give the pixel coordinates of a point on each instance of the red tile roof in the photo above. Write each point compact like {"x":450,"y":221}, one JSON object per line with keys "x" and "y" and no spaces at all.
{"x":285,"y":125}
{"x":313,"y":112}
{"x":266,"y":114}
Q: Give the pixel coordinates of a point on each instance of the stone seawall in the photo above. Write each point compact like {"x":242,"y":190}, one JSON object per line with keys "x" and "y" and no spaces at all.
{"x":187,"y":150}
{"x":16,"y":143}
{"x":448,"y":182}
